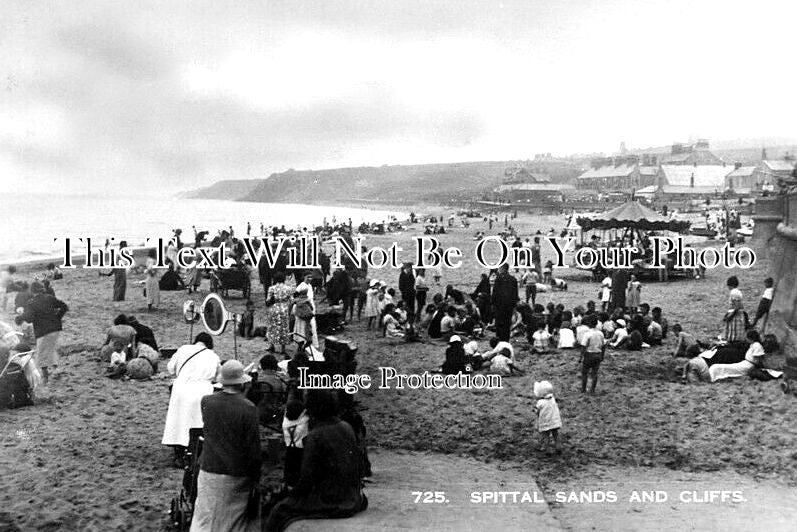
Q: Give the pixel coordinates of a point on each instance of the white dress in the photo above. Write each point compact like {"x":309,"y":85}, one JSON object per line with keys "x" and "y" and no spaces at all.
{"x":567,"y":339}
{"x":301,"y":326}
{"x":193,"y":381}
{"x":739,"y":369}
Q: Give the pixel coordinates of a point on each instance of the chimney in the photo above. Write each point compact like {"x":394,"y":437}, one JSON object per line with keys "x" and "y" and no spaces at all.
{"x":737,"y":165}
{"x":692,"y":181}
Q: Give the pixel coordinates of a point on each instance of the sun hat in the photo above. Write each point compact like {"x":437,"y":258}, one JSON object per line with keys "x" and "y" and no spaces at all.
{"x":543,"y":388}
{"x":621,"y":322}
{"x":454,"y":338}
{"x":373,"y":283}
{"x":232,"y":372}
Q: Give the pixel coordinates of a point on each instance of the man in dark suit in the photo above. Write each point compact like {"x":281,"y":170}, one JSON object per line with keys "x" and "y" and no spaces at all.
{"x":406,"y":285}
{"x":505,"y":297}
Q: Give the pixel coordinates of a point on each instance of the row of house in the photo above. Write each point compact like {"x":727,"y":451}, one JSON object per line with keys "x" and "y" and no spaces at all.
{"x":683,"y":171}
{"x":686,"y":171}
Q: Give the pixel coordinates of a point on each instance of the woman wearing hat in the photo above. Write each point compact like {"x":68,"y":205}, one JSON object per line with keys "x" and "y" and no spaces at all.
{"x":229,"y":466}
{"x":305,"y":327}
{"x":194,"y":367}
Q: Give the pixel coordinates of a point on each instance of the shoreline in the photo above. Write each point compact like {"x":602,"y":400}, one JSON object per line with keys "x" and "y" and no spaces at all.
{"x":77,"y":258}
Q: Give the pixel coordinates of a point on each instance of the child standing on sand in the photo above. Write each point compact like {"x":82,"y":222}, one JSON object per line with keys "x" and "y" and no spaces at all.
{"x":372,"y":302}
{"x":549,"y":421}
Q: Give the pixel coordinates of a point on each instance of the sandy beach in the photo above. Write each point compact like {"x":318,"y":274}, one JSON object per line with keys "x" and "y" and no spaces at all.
{"x":91,"y":459}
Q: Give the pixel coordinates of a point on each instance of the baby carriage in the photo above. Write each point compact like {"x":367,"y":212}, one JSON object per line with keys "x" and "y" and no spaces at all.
{"x":20,"y":376}
{"x":224,"y":280}
{"x":182,"y":506}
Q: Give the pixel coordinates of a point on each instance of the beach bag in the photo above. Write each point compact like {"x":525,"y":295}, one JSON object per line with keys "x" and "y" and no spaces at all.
{"x":304,"y":310}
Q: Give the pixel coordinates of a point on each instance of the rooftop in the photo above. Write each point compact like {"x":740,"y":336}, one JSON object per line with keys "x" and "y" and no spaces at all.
{"x":711,"y":176}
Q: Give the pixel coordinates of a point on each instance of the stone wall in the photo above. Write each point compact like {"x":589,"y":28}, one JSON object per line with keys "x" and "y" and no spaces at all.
{"x":769,"y":212}
{"x":782,"y":319}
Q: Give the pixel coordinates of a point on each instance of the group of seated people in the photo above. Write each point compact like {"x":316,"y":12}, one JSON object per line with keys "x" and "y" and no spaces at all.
{"x":553,"y":327}
{"x":461,"y":357}
{"x":732,"y":360}
{"x":130,"y":349}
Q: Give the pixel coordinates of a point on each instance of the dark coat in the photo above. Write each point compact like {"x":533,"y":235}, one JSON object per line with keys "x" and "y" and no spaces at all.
{"x":406,"y":284}
{"x":232,"y":436}
{"x":505,"y":292}
{"x":330,"y":477}
{"x":44,"y":312}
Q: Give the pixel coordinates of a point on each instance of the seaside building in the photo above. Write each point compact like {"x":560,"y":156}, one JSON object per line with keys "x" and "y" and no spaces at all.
{"x":769,"y":171}
{"x":742,"y":180}
{"x":532,"y":192}
{"x":620,"y":173}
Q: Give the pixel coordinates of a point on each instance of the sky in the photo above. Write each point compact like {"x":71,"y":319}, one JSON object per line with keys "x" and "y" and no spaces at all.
{"x":153,"y":97}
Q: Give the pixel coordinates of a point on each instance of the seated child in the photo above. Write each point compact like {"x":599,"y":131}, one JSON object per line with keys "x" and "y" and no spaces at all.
{"x":658,"y":318}
{"x":549,"y":420}
{"x":683,"y":341}
{"x":696,"y":370}
{"x":620,"y":333}
{"x":501,"y":364}
{"x":294,"y":429}
{"x":449,"y":323}
{"x":654,"y":333}
{"x":117,"y":367}
{"x":542,"y":340}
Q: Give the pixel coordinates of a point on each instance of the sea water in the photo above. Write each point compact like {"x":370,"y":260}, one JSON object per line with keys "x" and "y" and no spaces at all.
{"x":33,"y":226}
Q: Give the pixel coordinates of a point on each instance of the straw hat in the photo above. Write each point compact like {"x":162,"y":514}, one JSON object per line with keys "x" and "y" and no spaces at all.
{"x":621,"y":322}
{"x":232,"y":372}
{"x":454,"y":338}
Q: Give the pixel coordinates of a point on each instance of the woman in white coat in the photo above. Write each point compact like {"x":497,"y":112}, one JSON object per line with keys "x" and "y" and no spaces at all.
{"x":307,"y":328}
{"x":194,"y":367}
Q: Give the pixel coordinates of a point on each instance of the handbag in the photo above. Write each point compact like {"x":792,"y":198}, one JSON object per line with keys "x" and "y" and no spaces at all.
{"x":304,"y":310}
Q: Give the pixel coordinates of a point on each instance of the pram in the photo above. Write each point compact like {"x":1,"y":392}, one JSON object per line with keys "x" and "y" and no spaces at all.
{"x":182,"y":506}
{"x":224,"y":280}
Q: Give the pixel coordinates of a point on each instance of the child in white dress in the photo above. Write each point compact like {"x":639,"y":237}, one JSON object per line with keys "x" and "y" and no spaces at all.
{"x":549,"y":421}
{"x":372,"y":303}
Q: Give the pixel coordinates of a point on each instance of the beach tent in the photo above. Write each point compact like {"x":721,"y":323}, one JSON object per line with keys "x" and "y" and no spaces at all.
{"x":632,"y":215}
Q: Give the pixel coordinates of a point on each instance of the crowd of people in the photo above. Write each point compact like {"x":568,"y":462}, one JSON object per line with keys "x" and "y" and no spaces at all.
{"x":479,"y":330}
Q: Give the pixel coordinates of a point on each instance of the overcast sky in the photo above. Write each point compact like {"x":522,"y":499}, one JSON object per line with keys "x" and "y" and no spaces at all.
{"x":160,"y":96}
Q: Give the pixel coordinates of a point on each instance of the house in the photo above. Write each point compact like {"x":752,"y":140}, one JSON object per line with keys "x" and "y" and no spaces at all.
{"x":524,"y":175}
{"x":617,"y":173}
{"x":742,"y":180}
{"x":532,"y":192}
{"x":686,"y":182}
{"x":680,"y":153}
{"x":769,"y":171}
